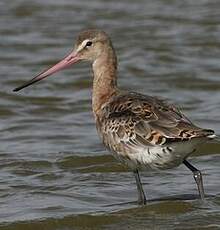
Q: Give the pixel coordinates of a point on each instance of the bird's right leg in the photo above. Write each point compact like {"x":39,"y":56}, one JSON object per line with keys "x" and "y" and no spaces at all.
{"x":198,"y":178}
{"x":141,"y":196}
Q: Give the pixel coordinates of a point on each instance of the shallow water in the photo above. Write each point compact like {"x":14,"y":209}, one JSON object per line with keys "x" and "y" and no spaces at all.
{"x":54,"y":172}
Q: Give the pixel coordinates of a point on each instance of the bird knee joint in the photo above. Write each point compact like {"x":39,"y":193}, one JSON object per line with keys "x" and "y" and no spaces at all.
{"x":197,"y":174}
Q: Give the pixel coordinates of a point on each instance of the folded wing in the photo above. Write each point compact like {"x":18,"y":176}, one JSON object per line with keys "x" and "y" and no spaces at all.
{"x":132,"y":119}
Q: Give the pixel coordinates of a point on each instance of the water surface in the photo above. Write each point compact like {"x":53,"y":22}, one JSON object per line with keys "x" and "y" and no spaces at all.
{"x":54,"y":172}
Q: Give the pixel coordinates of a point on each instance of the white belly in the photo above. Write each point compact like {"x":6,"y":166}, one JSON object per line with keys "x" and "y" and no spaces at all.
{"x":158,"y":157}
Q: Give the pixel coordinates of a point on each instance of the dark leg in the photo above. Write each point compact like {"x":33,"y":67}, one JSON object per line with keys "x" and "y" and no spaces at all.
{"x":141,"y":195}
{"x":198,"y":178}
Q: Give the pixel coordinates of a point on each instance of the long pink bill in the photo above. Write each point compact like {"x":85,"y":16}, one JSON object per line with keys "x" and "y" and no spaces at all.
{"x":65,"y":63}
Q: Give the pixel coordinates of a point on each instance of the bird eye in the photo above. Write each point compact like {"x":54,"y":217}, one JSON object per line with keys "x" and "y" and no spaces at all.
{"x":89,"y":43}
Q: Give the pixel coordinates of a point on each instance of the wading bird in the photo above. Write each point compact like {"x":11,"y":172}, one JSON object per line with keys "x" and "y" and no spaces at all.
{"x":141,"y":131}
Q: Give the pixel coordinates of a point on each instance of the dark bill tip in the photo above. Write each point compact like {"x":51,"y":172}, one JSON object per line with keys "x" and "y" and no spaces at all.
{"x":26,"y":85}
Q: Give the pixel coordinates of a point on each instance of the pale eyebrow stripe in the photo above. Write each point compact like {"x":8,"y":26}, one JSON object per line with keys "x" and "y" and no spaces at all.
{"x":82,"y":45}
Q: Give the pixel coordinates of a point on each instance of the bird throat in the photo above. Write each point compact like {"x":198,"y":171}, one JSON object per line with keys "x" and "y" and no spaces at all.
{"x":105,"y":79}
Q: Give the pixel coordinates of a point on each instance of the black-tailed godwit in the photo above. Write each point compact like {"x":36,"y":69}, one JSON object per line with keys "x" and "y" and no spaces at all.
{"x":141,"y":131}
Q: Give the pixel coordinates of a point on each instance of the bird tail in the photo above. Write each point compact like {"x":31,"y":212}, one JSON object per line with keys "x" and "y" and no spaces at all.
{"x":209,"y":133}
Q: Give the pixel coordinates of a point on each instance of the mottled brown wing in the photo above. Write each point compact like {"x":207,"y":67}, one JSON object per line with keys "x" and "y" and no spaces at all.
{"x":137,"y":119}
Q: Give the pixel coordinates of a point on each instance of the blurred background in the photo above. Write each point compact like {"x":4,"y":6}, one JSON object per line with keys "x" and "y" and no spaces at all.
{"x":54,"y":172}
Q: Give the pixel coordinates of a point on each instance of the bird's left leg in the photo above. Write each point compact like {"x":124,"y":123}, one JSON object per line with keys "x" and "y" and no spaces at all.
{"x":198,"y":178}
{"x":141,"y":196}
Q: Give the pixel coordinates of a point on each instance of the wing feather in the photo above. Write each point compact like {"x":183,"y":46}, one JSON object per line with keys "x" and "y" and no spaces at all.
{"x":135,"y":120}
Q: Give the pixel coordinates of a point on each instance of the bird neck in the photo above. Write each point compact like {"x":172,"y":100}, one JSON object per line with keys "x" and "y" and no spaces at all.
{"x":105,"y":79}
